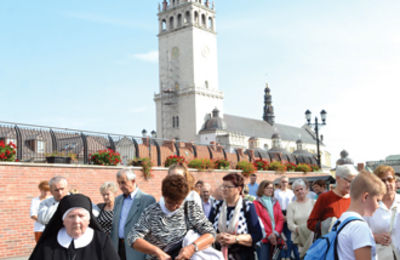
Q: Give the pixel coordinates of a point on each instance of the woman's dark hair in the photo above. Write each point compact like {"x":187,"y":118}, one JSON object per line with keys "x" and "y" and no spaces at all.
{"x":262,"y":186}
{"x":236,"y":179}
{"x":174,"y":187}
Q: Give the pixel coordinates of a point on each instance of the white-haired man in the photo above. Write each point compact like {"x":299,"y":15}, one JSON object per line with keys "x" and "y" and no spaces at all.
{"x":127,"y":209}
{"x":59,"y":189}
{"x":330,"y":205}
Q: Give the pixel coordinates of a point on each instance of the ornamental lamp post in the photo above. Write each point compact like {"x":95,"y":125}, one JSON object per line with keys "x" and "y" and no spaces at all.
{"x":316,"y":126}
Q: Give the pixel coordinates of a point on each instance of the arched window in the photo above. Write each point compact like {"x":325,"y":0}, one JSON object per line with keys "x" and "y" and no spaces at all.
{"x":171,"y":23}
{"x":163,"y":25}
{"x":179,"y":20}
{"x":210,"y":23}
{"x":203,"y":20}
{"x":187,"y":17}
{"x":196,"y":18}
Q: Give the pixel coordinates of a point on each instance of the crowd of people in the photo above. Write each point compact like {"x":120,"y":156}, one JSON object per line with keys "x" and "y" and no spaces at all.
{"x":235,"y":221}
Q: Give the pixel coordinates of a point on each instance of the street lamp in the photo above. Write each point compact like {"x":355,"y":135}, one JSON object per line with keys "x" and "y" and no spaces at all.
{"x":316,"y":126}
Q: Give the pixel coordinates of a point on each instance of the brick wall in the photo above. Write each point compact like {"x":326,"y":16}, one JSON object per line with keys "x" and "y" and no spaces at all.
{"x":18,"y":185}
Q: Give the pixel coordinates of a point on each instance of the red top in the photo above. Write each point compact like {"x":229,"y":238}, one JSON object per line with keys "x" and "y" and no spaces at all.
{"x":328,"y":205}
{"x":264,"y":216}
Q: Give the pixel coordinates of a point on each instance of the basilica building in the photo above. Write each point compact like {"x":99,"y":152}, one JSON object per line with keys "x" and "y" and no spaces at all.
{"x":189,"y":105}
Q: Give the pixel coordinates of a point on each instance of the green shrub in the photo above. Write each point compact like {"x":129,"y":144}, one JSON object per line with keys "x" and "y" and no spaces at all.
{"x":146,"y":165}
{"x":303,"y":167}
{"x":246,"y":167}
{"x":221,"y":164}
{"x":201,"y":164}
{"x":277,"y":166}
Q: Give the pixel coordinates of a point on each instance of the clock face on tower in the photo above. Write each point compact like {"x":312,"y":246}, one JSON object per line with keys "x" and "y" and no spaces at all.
{"x":205,"y":51}
{"x":175,"y":52}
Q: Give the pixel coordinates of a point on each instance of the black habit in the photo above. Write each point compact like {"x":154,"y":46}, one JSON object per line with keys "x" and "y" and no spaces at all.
{"x":48,"y":248}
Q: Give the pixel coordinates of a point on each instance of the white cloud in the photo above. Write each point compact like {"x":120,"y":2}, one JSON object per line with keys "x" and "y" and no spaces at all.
{"x":151,"y":56}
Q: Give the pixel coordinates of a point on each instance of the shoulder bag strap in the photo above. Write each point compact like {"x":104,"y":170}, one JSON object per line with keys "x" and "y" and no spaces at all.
{"x":340,"y":227}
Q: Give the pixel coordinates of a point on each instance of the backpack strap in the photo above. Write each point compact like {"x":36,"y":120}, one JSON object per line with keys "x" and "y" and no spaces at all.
{"x":339,"y":226}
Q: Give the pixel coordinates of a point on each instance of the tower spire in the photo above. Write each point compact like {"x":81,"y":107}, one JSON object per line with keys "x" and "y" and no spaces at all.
{"x":268,"y":108}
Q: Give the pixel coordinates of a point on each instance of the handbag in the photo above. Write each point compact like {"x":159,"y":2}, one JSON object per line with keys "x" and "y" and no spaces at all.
{"x":208,"y":253}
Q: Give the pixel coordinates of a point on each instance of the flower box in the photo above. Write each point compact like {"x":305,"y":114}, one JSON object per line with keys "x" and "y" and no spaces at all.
{"x":58,"y":159}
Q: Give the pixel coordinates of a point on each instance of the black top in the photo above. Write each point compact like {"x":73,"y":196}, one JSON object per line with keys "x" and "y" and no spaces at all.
{"x":100,"y":248}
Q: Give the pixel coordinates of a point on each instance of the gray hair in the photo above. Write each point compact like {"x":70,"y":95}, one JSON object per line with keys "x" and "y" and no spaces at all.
{"x":109,"y":185}
{"x":57,"y":179}
{"x":128,"y":172}
{"x":297,"y":183}
{"x":346,"y":170}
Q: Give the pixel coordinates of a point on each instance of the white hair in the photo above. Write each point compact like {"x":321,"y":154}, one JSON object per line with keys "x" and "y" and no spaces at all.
{"x":345,"y":171}
{"x":298,"y":182}
{"x":109,"y":185}
{"x":57,"y":179}
{"x":128,"y":172}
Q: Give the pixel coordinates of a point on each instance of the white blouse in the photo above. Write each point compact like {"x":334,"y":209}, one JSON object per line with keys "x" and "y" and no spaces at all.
{"x":379,"y":222}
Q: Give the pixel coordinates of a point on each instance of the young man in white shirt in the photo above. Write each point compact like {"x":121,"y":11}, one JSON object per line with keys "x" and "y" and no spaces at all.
{"x":356,"y":240}
{"x":285,"y":195}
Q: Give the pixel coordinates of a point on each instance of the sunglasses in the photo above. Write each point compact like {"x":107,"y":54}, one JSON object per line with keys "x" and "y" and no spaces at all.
{"x":388,"y":179}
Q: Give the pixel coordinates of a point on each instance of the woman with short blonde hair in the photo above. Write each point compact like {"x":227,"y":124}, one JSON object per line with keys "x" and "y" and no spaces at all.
{"x":108,"y":191}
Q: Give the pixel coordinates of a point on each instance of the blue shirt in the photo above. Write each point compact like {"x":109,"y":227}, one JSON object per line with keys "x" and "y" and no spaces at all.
{"x":126,"y":206}
{"x":207,"y":207}
{"x":253,"y":189}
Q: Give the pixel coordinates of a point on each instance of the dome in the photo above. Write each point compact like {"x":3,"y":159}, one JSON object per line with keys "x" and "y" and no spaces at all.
{"x":215,"y":122}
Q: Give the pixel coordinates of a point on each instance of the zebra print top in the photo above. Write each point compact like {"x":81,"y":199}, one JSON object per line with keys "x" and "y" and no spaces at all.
{"x":163,"y":231}
{"x":105,"y":220}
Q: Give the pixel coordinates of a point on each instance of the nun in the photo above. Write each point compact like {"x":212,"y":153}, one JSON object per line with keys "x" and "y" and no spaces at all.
{"x":74,"y":234}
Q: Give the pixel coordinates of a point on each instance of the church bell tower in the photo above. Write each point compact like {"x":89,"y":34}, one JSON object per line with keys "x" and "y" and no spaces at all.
{"x":188,"y":71}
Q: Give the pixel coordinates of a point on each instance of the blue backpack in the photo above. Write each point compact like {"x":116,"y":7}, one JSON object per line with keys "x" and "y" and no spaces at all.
{"x":326,"y":246}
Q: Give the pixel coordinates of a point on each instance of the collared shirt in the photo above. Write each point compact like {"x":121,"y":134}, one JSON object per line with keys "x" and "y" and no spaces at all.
{"x":126,"y":206}
{"x":207,"y":207}
{"x":253,"y":189}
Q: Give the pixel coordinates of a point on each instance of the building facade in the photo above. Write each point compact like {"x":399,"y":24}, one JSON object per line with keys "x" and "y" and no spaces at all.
{"x":189,"y":104}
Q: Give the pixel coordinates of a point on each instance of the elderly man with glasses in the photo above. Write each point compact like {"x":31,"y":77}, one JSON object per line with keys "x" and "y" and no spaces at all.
{"x":330,"y":205}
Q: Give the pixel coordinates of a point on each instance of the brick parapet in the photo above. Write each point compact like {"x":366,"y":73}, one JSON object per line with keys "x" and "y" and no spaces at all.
{"x":19,"y":181}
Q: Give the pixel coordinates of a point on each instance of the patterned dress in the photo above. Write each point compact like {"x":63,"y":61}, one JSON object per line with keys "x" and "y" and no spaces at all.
{"x":105,"y":219}
{"x":165,"y":231}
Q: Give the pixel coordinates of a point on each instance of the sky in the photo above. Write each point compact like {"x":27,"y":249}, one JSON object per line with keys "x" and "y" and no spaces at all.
{"x":93,"y":65}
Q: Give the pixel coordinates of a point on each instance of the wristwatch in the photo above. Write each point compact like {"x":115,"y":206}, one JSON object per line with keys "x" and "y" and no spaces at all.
{"x":196,"y":248}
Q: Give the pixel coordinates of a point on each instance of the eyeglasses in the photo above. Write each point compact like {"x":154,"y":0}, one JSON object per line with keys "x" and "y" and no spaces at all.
{"x":388,"y":179}
{"x":348,"y":181}
{"x":284,"y":181}
{"x":228,"y":186}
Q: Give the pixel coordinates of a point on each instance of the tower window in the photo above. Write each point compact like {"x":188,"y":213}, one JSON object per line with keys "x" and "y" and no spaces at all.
{"x":163,"y":25}
{"x":179,"y":20}
{"x":196,"y":18}
{"x":175,"y":122}
{"x":171,"y":23}
{"x":210,"y":23}
{"x":187,"y":17}
{"x":203,"y":20}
